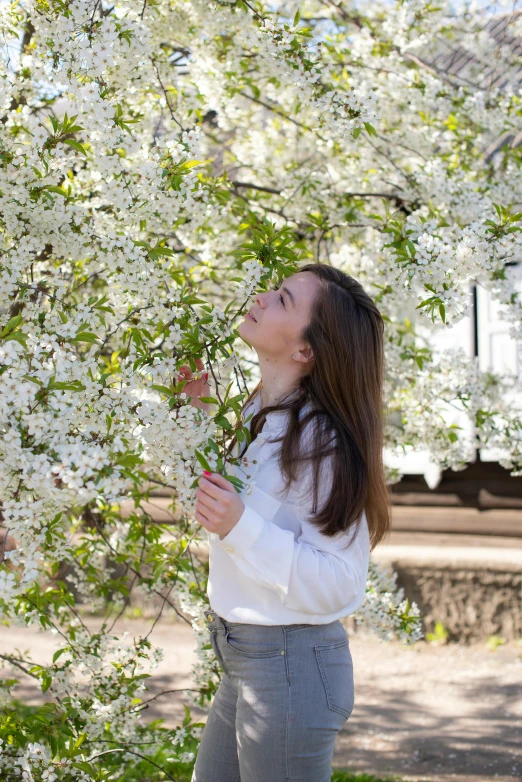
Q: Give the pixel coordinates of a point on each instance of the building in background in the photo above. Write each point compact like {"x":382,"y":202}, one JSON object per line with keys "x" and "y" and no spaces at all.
{"x":495,"y":64}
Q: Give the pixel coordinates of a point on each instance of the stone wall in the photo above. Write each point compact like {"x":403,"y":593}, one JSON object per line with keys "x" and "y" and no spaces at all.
{"x":472,"y":604}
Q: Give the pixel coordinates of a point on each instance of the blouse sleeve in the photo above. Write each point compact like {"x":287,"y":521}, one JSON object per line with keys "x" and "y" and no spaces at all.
{"x":313,"y":574}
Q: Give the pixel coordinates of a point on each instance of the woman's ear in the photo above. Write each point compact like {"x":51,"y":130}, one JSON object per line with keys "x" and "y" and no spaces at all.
{"x":305,"y":354}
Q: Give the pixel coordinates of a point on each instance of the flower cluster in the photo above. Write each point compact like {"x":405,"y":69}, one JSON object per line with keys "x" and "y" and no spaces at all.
{"x":386,"y":609}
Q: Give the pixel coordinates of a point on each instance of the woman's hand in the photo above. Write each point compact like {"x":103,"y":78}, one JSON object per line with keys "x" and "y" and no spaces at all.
{"x":6,"y":544}
{"x":195,"y":388}
{"x":218,"y":506}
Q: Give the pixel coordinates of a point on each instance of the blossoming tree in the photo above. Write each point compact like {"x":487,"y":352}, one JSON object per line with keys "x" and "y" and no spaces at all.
{"x":161,"y":161}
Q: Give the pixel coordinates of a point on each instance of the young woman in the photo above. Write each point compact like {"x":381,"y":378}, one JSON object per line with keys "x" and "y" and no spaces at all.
{"x":289,"y":554}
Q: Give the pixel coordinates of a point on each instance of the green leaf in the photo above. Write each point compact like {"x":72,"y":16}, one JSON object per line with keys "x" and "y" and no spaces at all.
{"x":187,"y":715}
{"x":356,"y":132}
{"x":73,"y":128}
{"x":214,"y":446}
{"x":59,"y":190}
{"x":11,"y":325}
{"x":162,"y":389}
{"x":160,"y":252}
{"x":85,"y":336}
{"x":229,"y":387}
{"x":70,"y":385}
{"x":426,"y":301}
{"x":223,"y":422}
{"x":33,"y":380}
{"x":47,"y":680}
{"x":188,"y":164}
{"x":53,"y":744}
{"x":75,"y":145}
{"x":235,"y":481}
{"x":86,"y":768}
{"x":59,"y":653}
{"x":201,"y":459}
{"x":129,"y":460}
{"x":18,"y":336}
{"x":297,"y":17}
{"x":411,"y":247}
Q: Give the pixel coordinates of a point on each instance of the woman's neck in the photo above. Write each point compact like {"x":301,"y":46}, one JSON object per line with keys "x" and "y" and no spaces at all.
{"x":278,"y":380}
{"x":273,"y":397}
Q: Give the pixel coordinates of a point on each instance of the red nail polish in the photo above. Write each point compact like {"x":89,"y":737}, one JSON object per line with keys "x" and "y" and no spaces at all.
{"x":206,"y":375}
{"x":206,"y":473}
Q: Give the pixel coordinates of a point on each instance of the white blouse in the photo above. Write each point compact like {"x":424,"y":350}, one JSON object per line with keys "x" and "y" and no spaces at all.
{"x":274,"y":567}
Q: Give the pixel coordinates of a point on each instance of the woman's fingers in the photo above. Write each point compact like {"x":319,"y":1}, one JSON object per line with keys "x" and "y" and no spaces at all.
{"x":206,"y":502}
{"x":214,"y":492}
{"x":202,"y":519}
{"x":6,"y":543}
{"x":186,"y":372}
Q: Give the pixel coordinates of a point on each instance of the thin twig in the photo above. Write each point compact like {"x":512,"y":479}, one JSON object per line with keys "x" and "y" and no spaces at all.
{"x":14,"y":661}
{"x":144,"y":705}
{"x":172,"y":115}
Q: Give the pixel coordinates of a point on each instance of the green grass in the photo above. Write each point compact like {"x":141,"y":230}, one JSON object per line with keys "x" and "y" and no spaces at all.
{"x":347,"y":776}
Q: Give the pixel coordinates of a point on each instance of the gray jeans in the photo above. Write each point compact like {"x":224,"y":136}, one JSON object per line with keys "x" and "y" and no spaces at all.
{"x":286,"y":692}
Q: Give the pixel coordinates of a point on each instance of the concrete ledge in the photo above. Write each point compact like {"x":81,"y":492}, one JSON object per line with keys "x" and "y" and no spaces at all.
{"x":457,"y":520}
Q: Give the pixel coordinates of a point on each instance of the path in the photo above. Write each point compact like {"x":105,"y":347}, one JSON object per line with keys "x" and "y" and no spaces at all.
{"x":424,"y":713}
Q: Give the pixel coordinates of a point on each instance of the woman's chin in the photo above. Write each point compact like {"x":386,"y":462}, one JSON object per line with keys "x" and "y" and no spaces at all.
{"x":245,"y":323}
{"x":246,"y":333}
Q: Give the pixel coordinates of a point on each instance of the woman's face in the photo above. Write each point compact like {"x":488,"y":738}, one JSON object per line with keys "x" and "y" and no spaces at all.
{"x":280,"y":316}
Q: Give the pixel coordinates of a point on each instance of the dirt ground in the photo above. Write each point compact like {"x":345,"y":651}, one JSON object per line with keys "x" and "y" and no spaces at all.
{"x":425,"y":712}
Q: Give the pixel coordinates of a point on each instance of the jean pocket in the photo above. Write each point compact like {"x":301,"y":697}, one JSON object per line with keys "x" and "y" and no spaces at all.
{"x":336,"y":668}
{"x":213,"y":641}
{"x":253,"y":646}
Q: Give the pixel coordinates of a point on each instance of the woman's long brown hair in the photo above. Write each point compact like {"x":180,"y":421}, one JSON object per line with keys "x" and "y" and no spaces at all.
{"x":345,"y":386}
